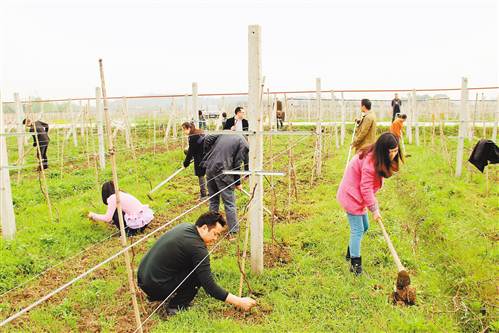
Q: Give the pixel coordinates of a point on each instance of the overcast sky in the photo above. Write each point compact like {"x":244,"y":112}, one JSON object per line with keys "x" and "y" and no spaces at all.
{"x":50,"y":48}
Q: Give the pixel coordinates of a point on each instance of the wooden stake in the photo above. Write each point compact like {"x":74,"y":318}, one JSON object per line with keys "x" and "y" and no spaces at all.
{"x":496,"y":120}
{"x":112,"y":154}
{"x":415,"y":116}
{"x":61,"y":160}
{"x":462,"y":127}
{"x":20,"y":138}
{"x":318,"y":128}
{"x":58,"y":144}
{"x":484,"y":125}
{"x":81,"y":116}
{"x":44,"y":186}
{"x":472,"y":129}
{"x":343,"y":120}
{"x":175,"y":117}
{"x":154,"y":132}
{"x":72,"y":120}
{"x":86,"y":118}
{"x":410,"y":118}
{"x":243,"y":260}
{"x":195,"y":115}
{"x":289,"y":182}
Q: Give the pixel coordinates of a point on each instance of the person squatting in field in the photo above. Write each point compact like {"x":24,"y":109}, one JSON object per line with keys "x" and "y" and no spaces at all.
{"x":398,"y":125}
{"x":362,"y":179}
{"x":40,"y":140}
{"x":179,"y":263}
{"x":195,"y":151}
{"x":136,"y":216}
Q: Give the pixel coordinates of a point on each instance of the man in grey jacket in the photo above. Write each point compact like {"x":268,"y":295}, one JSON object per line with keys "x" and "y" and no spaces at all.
{"x":225,"y":152}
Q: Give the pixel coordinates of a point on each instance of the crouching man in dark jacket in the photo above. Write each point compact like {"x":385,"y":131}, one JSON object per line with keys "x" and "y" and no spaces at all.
{"x":225,"y":152}
{"x":179,"y":263}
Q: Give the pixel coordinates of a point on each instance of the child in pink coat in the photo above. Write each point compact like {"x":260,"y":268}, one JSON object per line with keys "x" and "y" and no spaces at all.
{"x":136,"y":216}
{"x":356,"y":193}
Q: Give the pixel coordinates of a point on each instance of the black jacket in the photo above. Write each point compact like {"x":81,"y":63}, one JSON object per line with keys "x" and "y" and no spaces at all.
{"x":396,"y":104}
{"x":195,"y":151}
{"x":232,"y":121}
{"x":174,"y":255}
{"x":485,"y":152}
{"x":225,"y":152}
{"x":42,"y":133}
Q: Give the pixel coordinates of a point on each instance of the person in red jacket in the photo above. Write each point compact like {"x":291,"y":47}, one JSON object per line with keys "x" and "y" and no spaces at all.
{"x":362,"y":179}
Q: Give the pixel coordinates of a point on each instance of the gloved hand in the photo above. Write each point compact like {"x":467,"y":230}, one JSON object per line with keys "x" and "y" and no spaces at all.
{"x":186,"y":164}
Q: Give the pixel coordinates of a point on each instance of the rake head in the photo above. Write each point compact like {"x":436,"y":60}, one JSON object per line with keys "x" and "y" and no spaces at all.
{"x":404,"y":294}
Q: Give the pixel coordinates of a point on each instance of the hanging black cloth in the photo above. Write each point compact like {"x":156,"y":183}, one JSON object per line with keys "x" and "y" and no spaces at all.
{"x":485,"y":152}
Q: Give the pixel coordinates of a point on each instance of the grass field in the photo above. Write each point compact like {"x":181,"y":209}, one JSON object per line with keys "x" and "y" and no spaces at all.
{"x":445,"y":230}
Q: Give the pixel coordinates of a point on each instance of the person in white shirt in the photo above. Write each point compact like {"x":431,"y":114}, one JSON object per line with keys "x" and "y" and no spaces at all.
{"x":237,"y":123}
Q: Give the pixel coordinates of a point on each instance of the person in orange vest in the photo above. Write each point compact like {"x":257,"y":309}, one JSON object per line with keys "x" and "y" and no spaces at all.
{"x":398,"y":125}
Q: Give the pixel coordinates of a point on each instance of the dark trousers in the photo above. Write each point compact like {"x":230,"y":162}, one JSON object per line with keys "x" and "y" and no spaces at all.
{"x":228,"y":198}
{"x":43,"y":152}
{"x":395,"y":115}
{"x":181,"y":298}
{"x":129,"y":231}
{"x":202,"y":186}
{"x":279,"y":123}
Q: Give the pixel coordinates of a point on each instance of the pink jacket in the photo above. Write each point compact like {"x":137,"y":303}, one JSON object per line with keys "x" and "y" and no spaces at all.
{"x":136,"y":214}
{"x":358,"y":186}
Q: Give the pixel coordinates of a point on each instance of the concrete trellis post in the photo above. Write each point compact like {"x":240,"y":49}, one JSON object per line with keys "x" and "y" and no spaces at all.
{"x":415,"y":114}
{"x":7,"y":216}
{"x":195,"y":114}
{"x":334,"y":118}
{"x":343,"y":120}
{"x":308,"y":110}
{"x":20,"y":128}
{"x":174,"y":115}
{"x":100,"y":127}
{"x":496,"y":120}
{"x":186,"y":107}
{"x":410,"y":117}
{"x":462,"y":128}
{"x":255,"y":118}
{"x":318,"y":129}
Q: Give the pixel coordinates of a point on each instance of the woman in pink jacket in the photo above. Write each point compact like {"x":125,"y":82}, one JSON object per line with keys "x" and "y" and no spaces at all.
{"x":362,"y":179}
{"x":136,"y":216}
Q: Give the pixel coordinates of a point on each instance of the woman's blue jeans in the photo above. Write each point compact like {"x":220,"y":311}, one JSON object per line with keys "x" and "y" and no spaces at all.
{"x":358,"y":227}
